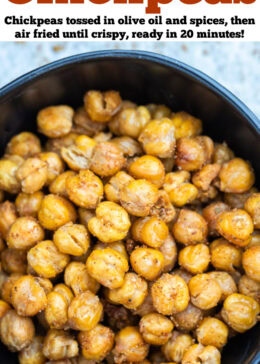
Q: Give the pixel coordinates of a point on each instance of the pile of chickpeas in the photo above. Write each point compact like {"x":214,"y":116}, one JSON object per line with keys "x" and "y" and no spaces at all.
{"x":126,"y":236}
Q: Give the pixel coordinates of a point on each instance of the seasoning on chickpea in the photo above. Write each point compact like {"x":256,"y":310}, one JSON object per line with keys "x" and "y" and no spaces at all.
{"x":148,"y":167}
{"x":131,"y":121}
{"x":115,"y":185}
{"x":226,"y":283}
{"x":178,"y":344}
{"x":147,"y":262}
{"x":58,"y":185}
{"x":250,"y":262}
{"x":7,"y":285}
{"x":32,"y":354}
{"x":195,"y":258}
{"x":150,"y":231}
{"x":55,"y":121}
{"x":199,"y":353}
{"x":163,"y":208}
{"x":155,"y":328}
{"x":56,"y":311}
{"x":84,"y":125}
{"x":32,"y":175}
{"x":212,"y":331}
{"x":189,"y":319}
{"x":205,"y":291}
{"x":249,"y":287}
{"x":186,"y":125}
{"x":8,"y":216}
{"x":225,"y":256}
{"x":25,"y":144}
{"x":211,"y":213}
{"x":55,"y":165}
{"x":119,"y":246}
{"x":129,"y":146}
{"x":8,"y":180}
{"x":203,"y":178}
{"x":29,"y":204}
{"x":59,"y":344}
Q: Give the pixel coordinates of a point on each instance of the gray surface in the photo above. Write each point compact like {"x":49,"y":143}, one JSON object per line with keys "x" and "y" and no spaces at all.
{"x":236,"y":65}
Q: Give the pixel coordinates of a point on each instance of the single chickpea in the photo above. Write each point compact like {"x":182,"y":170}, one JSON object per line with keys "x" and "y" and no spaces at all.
{"x":56,"y":211}
{"x":250,"y":262}
{"x":199,"y":354}
{"x":190,"y":228}
{"x":108,"y":267}
{"x":235,"y":226}
{"x":178,"y":344}
{"x":56,"y":311}
{"x":249,"y":287}
{"x":169,"y":252}
{"x":14,"y":261}
{"x":211,"y":213}
{"x":149,"y":168}
{"x":8,"y":180}
{"x":195,"y":258}
{"x":131,"y":121}
{"x":159,"y":111}
{"x":150,"y":231}
{"x":96,"y":343}
{"x":116,"y":184}
{"x":129,"y":146}
{"x":186,"y":125}
{"x":212,"y":331}
{"x":226,"y":283}
{"x":163,"y":208}
{"x":29,"y":204}
{"x":101,"y":106}
{"x":222,"y":153}
{"x":55,"y":121}
{"x":157,"y":138}
{"x":193,"y":153}
{"x":131,"y":294}
{"x":205,"y":291}
{"x":114,"y":124}
{"x":25,"y":144}
{"x":155,"y":328}
{"x":16,"y":332}
{"x":138,"y":197}
{"x":111,"y":222}
{"x":238,"y":200}
{"x":170,"y":294}
{"x":85,"y":311}
{"x":32,"y":175}
{"x":59,"y":344}
{"x":189,"y":319}
{"x":119,"y":246}
{"x":84,"y":125}
{"x":8,"y":216}
{"x":4,"y":307}
{"x":65,"y":291}
{"x":225,"y":256}
{"x":58,"y":185}
{"x":46,"y":260}
{"x":204,"y":177}
{"x":24,"y":233}
{"x":7,"y":285}
{"x":56,"y":144}
{"x":130,"y":346}
{"x":240,"y":312}
{"x":147,"y":262}
{"x":252,"y":206}
{"x":55,"y":165}
{"x":32,"y":354}
{"x":236,"y":176}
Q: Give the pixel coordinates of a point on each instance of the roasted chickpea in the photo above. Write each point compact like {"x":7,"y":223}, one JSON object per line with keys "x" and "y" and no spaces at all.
{"x":7,"y":217}
{"x":150,"y":231}
{"x":131,"y":121}
{"x":147,"y":262}
{"x":59,"y":344}
{"x":250,"y":261}
{"x":226,"y":283}
{"x":131,"y":294}
{"x":225,"y":256}
{"x":77,"y":277}
{"x":14,"y":261}
{"x":186,"y":125}
{"x":235,"y":226}
{"x":190,"y":228}
{"x":25,"y":144}
{"x":252,"y":206}
{"x":169,"y":252}
{"x":101,"y":106}
{"x":55,"y":121}
{"x":163,"y":208}
{"x":56,"y":311}
{"x":46,"y":260}
{"x":155,"y":328}
{"x":249,"y":287}
{"x":7,"y":285}
{"x":211,"y":213}
{"x":130,"y":346}
{"x":138,"y":197}
{"x":29,"y":204}
{"x":55,"y":165}
{"x":16,"y":332}
{"x":32,"y":174}
{"x":58,"y":185}
{"x":4,"y":307}
{"x":212,"y":331}
{"x":147,"y":306}
{"x":222,"y":153}
{"x":205,"y":291}
{"x":240,"y":312}
{"x":117,"y":245}
{"x":24,"y":233}
{"x":85,"y":311}
{"x":8,"y":180}
{"x":149,"y":168}
{"x":114,"y":124}
{"x":56,"y":144}
{"x":204,"y":177}
{"x":199,"y":354}
{"x":195,"y":258}
{"x":158,"y":111}
{"x":108,"y":267}
{"x":56,"y":211}
{"x":178,"y":344}
{"x":238,"y":200}
{"x":65,"y":291}
{"x":170,"y":294}
{"x":129,"y":146}
{"x":115,"y":185}
{"x":72,"y":239}
{"x":189,"y":319}
{"x":236,"y":176}
{"x":32,"y":354}
{"x":84,"y":125}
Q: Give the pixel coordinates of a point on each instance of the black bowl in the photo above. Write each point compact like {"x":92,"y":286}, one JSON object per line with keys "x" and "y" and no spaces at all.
{"x":142,"y":77}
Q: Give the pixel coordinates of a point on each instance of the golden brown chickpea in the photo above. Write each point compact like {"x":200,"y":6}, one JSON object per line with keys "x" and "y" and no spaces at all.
{"x":222,"y":153}
{"x":249,"y":287}
{"x":157,"y":138}
{"x":55,"y":165}
{"x":212,"y":331}
{"x":111,"y":222}
{"x":114,"y":124}
{"x":186,"y":125}
{"x":206,"y":197}
{"x":204,"y":177}
{"x":240,"y":312}
{"x":252,"y":206}
{"x":117,"y":245}
{"x":169,"y":252}
{"x":163,"y":208}
{"x":235,"y":226}
{"x":189,"y":319}
{"x":226,"y":283}
{"x":190,"y":228}
{"x":194,"y":153}
{"x":149,"y":168}
{"x":58,"y":186}
{"x":85,"y":311}
{"x":25,"y":144}
{"x":195,"y":258}
{"x":211,"y":213}
{"x":138,"y":197}
{"x":29,"y":204}
{"x":131,"y":121}
{"x":56,"y":211}
{"x":236,"y":176}
{"x":130,"y":346}
{"x":250,"y":261}
{"x":108,"y":267}
{"x":199,"y":354}
{"x":178,"y":344}
{"x":24,"y":233}
{"x":150,"y":231}
{"x":46,"y":260}
{"x":9,"y":281}
{"x":32,"y":175}
{"x":56,"y":144}
{"x":158,"y":111}
{"x":16,"y":332}
{"x":101,"y":106}
{"x":4,"y":307}
{"x":72,"y":239}
{"x":8,"y":179}
{"x":115,"y":185}
{"x":205,"y":291}
{"x":129,"y":146}
{"x":131,"y":294}
{"x":56,"y":311}
{"x":147,"y":262}
{"x":170,"y":294}
{"x":65,"y":291}
{"x":225,"y":256}
{"x":155,"y":328}
{"x":32,"y":354}
{"x":14,"y":261}
{"x":84,"y":125}
{"x":59,"y":344}
{"x":55,"y":121}
{"x":96,"y":343}
{"x":147,"y":306}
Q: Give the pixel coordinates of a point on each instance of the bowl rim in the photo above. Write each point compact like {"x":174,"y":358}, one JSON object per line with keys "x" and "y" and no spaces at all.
{"x":26,"y":79}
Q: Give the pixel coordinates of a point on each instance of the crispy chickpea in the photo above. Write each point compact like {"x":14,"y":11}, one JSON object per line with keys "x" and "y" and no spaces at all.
{"x":29,"y":204}
{"x":55,"y":121}
{"x":178,"y":344}
{"x":56,"y":211}
{"x":155,"y":328}
{"x":4,"y":307}
{"x":236,"y":176}
{"x":108,"y":267}
{"x":16,"y":332}
{"x":163,"y":208}
{"x":14,"y":261}
{"x":85,"y":311}
{"x":195,"y":258}
{"x":138,"y":197}
{"x":129,"y":146}
{"x":149,"y":168}
{"x":9,"y":281}
{"x":59,"y":344}
{"x":193,"y":153}
{"x":65,"y":291}
{"x":211,"y":213}
{"x":212,"y":331}
{"x":170,"y":294}
{"x":147,"y":262}
{"x":222,"y":153}
{"x":158,"y":111}
{"x":252,"y":206}
{"x":250,"y":261}
{"x":205,"y":291}
{"x":150,"y":231}
{"x":7,"y":217}
{"x":25,"y":144}
{"x":46,"y":260}
{"x":131,"y":121}
{"x":147,"y":306}
{"x":204,"y":177}
{"x":56,"y":311}
{"x":189,"y":319}
{"x":130,"y":346}
{"x":235,"y":226}
{"x":114,"y":124}
{"x":199,"y":354}
{"x":240,"y":312}
{"x":8,"y":179}
{"x":186,"y":125}
{"x":24,"y":233}
{"x":190,"y":228}
{"x":117,"y":245}
{"x":58,"y":185}
{"x":225,"y":256}
{"x":131,"y":294}
{"x":169,"y":252}
{"x":56,"y":144}
{"x":226,"y":283}
{"x":32,"y":354}
{"x":72,"y":239}
{"x":157,"y":138}
{"x":32,"y":175}
{"x":55,"y":165}
{"x":84,"y":125}
{"x":249,"y":287}
{"x":101,"y":106}
{"x":111,"y":222}
{"x":115,"y":185}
